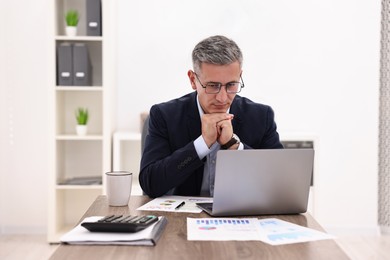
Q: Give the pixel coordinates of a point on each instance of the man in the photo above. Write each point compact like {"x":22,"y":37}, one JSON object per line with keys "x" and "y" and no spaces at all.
{"x":186,"y":133}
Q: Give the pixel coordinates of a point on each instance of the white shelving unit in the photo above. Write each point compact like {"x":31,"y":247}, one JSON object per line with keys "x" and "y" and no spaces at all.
{"x":74,"y":156}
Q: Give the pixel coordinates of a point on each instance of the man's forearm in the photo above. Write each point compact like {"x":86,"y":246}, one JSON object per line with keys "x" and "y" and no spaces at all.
{"x":157,"y":177}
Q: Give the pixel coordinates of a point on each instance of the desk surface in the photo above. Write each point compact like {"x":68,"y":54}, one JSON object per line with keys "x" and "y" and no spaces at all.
{"x":173,"y":244}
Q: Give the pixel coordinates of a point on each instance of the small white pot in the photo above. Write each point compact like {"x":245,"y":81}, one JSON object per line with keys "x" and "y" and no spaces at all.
{"x":71,"y":31}
{"x":81,"y":129}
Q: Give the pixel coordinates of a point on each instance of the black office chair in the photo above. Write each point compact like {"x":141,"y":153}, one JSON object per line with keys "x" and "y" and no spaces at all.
{"x":144,"y":133}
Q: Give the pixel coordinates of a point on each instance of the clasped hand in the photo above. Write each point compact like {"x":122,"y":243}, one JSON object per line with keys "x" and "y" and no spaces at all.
{"x":217,"y":127}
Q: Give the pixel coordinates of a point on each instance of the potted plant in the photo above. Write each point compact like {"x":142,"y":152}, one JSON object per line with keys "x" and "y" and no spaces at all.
{"x":72,"y":19}
{"x":82,"y":120}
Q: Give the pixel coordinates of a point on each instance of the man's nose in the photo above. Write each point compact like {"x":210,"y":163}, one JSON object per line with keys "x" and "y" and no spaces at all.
{"x":222,"y":95}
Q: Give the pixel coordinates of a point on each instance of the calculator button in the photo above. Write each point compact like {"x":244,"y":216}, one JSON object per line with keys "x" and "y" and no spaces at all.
{"x":105,"y":218}
{"x":145,"y":219}
{"x":113,"y":218}
{"x":135,"y":220}
{"x":121,"y":219}
{"x":130,"y":220}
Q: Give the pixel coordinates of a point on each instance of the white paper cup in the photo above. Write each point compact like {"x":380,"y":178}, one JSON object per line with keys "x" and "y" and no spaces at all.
{"x":118,"y":187}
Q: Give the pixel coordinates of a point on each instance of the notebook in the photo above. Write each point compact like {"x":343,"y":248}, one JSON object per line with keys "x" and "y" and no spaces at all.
{"x":261,"y":182}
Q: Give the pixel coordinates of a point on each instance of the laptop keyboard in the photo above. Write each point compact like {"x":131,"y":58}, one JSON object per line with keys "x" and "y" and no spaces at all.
{"x":208,"y":206}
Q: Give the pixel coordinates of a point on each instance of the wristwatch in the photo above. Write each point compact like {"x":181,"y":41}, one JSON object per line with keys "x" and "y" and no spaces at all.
{"x":234,"y":140}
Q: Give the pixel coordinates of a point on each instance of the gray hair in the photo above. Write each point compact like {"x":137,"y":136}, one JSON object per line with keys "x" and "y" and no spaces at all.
{"x":217,"y":50}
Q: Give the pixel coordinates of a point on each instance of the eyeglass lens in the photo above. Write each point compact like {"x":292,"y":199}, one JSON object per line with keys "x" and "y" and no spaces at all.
{"x":232,"y":87}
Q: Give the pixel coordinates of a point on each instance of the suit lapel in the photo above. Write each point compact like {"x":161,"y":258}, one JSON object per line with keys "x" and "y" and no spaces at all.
{"x":194,"y":129}
{"x":193,"y":123}
{"x":235,"y":109}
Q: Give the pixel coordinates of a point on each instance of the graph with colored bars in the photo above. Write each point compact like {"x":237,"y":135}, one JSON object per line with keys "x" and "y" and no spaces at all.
{"x":277,"y":232}
{"x":210,"y":224}
{"x":222,"y":229}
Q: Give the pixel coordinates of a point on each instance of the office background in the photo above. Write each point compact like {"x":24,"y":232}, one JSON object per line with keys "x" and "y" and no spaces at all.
{"x":315,"y":62}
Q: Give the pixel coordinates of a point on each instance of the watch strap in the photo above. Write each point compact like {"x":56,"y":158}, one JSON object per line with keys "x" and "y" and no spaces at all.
{"x":230,"y":143}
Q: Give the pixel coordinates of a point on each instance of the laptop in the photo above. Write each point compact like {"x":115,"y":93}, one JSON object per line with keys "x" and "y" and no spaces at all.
{"x":261,"y":182}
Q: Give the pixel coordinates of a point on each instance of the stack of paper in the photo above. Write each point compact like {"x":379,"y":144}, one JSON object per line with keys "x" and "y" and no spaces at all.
{"x":147,"y":237}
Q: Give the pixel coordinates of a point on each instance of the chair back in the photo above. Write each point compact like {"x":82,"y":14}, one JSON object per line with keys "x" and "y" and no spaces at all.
{"x":144,"y":133}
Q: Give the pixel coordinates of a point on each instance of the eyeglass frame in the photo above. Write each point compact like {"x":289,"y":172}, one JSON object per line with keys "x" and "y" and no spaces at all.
{"x":221,"y":85}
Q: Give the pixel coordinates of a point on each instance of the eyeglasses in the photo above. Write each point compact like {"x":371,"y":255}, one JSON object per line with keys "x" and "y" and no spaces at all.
{"x":215,"y":87}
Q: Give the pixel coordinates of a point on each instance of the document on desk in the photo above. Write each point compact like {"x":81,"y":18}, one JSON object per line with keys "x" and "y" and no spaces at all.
{"x":147,"y":237}
{"x":175,"y":204}
{"x":278,"y":232}
{"x":271,"y":231}
{"x":223,"y":229}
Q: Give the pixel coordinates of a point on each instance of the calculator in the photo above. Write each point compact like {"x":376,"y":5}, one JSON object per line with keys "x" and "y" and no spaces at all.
{"x":120,"y":223}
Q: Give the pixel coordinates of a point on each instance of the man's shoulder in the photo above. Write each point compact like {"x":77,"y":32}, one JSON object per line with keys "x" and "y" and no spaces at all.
{"x":176,"y":101}
{"x":246,"y":103}
{"x":177,"y":104}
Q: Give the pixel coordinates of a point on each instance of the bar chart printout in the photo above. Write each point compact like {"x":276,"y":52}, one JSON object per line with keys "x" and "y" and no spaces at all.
{"x":222,"y":229}
{"x":271,"y":230}
{"x":278,"y":232}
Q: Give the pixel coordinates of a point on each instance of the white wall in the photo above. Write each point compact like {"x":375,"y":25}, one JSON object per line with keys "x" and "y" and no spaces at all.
{"x":24,"y":117}
{"x":316,"y":62}
{"x":3,"y":115}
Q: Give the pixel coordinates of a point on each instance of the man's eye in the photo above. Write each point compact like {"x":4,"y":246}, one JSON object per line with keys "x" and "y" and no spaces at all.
{"x":232,"y":85}
{"x":212,"y":85}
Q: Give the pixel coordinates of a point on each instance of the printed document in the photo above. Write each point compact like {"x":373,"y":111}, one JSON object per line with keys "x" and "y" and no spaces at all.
{"x":175,"y":204}
{"x":278,"y":232}
{"x":222,"y":229}
{"x":271,"y":230}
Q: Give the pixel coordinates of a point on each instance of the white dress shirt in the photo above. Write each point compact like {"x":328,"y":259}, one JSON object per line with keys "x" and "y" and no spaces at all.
{"x":209,"y":167}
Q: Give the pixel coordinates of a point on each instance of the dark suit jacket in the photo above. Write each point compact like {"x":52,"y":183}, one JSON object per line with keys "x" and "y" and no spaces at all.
{"x":170,"y":160}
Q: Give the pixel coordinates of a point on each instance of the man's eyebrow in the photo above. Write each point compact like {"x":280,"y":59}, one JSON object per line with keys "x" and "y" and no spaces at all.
{"x":216,"y":82}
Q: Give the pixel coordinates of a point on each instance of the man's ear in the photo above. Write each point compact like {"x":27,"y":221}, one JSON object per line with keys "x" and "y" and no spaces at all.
{"x":191,"y":76}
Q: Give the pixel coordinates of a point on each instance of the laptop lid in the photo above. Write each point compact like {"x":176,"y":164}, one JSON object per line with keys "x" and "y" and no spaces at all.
{"x":262,"y":182}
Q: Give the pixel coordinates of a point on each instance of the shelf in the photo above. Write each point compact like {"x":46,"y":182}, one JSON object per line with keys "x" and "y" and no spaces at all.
{"x":79,"y":38}
{"x":79,"y":88}
{"x":79,"y":138}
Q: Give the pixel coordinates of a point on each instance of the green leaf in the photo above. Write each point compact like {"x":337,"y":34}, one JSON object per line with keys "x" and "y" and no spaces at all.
{"x":82,"y":116}
{"x":72,"y":18}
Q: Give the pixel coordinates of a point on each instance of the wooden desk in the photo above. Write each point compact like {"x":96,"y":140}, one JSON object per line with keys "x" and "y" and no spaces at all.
{"x":173,"y":244}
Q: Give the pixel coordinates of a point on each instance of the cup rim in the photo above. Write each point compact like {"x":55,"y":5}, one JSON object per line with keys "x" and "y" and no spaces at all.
{"x":118,"y":173}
